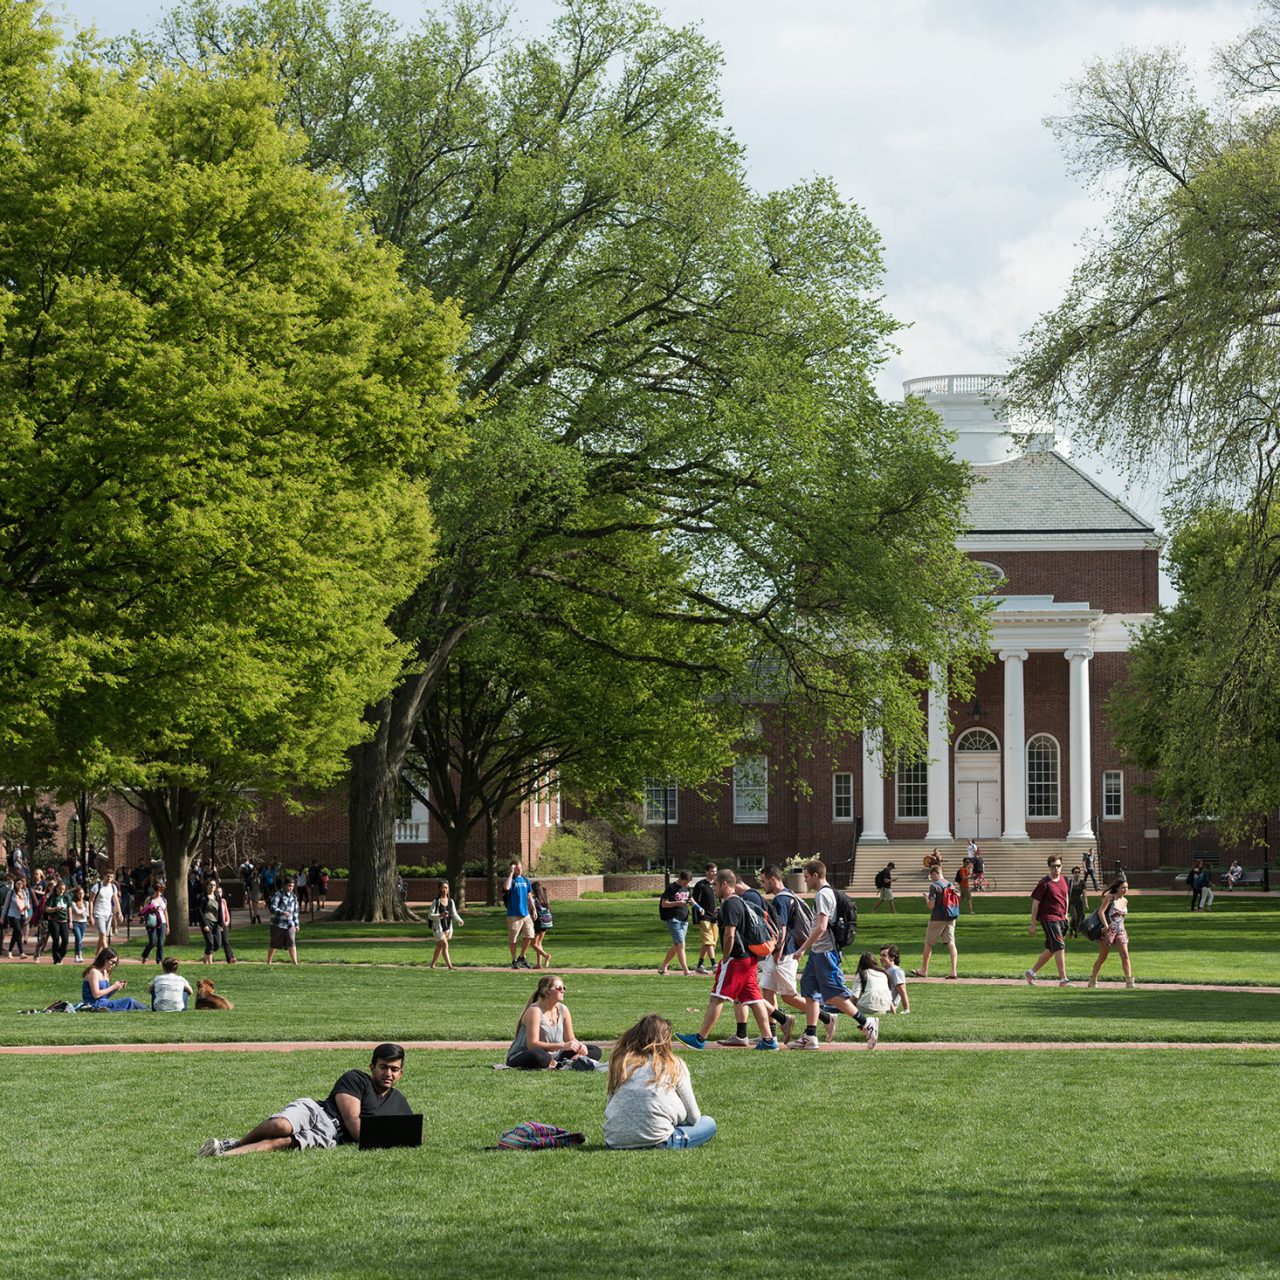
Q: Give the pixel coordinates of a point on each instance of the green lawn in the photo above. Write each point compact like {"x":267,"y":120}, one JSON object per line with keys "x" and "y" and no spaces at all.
{"x":963,"y":1164}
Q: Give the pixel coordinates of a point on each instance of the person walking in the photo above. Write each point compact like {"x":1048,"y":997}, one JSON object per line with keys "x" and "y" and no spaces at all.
{"x":57,"y":914}
{"x":944,"y":909}
{"x":1077,"y":903}
{"x":519,"y":926}
{"x":673,"y":909}
{"x":215,"y":922}
{"x":650,"y":1096}
{"x":15,"y":911}
{"x":964,"y":883}
{"x":1113,"y":912}
{"x":79,"y":920}
{"x":704,"y":894}
{"x":779,"y":973}
{"x":443,"y":914}
{"x":543,"y":920}
{"x":823,"y":979}
{"x":155,"y":919}
{"x":1090,"y":857}
{"x":284,"y":921}
{"x":884,"y":883}
{"x":104,"y":903}
{"x":1049,"y":911}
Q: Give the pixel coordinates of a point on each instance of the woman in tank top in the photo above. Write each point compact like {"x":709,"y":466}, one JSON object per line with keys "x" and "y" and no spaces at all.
{"x":544,"y":1035}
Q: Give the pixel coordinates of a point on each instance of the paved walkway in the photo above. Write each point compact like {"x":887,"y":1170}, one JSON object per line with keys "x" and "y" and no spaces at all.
{"x":500,"y":1046}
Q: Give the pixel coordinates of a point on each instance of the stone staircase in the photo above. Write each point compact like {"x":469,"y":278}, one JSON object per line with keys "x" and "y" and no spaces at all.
{"x":1015,"y":866}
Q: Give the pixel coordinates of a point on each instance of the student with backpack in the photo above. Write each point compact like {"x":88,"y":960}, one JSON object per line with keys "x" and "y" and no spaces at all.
{"x":704,"y":895}
{"x":673,"y":911}
{"x":944,"y":911}
{"x":779,"y":974}
{"x":743,"y":932}
{"x":884,"y":886}
{"x":835,"y":923}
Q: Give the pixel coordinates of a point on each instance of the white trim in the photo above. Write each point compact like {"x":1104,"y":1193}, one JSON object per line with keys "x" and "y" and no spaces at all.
{"x":977,"y":728}
{"x":835,"y":817}
{"x":996,"y":542}
{"x":897,"y":792}
{"x":1112,"y":773}
{"x":757,"y":816}
{"x":669,"y":802}
{"x":1056,"y":816}
{"x":1114,"y":631}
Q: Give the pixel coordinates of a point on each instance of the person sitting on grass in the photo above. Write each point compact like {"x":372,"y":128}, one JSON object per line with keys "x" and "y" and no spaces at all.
{"x":170,"y":991}
{"x":897,"y":978}
{"x":308,"y":1123}
{"x":870,"y":991}
{"x":97,"y":988}
{"x":651,"y":1102}
{"x":544,"y":1035}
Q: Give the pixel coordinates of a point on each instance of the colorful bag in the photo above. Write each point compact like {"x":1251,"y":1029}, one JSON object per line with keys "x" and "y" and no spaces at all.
{"x":531,"y":1136}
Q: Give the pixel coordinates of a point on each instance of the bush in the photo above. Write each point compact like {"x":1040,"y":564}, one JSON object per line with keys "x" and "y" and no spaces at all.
{"x":576,"y":849}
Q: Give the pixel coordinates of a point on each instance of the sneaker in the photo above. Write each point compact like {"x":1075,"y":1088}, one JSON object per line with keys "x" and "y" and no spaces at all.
{"x":1129,"y":984}
{"x":692,"y":1040}
{"x":216,"y":1146}
{"x":702,"y":969}
{"x":766,"y":1044}
{"x":1030,"y":976}
{"x":830,"y":1033}
{"x":787,"y":1027}
{"x":515,"y":964}
{"x":524,"y":964}
{"x":734,"y":1042}
{"x":872,"y":1031}
{"x":804,"y":1042}
{"x":1064,"y":982}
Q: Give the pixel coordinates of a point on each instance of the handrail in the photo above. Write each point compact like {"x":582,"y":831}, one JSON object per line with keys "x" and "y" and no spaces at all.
{"x":955,"y":384}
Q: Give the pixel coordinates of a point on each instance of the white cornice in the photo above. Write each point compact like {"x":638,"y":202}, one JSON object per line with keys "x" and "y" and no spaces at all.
{"x":1060,"y":542}
{"x":1061,"y":631}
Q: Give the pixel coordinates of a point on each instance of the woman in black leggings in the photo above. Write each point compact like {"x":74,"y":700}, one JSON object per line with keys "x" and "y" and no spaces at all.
{"x":544,"y":1035}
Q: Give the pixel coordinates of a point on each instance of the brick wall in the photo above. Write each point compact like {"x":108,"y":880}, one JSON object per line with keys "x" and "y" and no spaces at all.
{"x":1113,"y":581}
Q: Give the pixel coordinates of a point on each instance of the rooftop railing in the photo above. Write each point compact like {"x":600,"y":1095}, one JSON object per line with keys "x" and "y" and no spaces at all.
{"x":955,"y":384}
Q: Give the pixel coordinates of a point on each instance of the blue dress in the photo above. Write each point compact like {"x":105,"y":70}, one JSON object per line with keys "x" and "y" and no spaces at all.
{"x":124,"y":1004}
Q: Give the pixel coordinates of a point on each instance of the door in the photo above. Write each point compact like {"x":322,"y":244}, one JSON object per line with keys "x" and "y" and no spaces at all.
{"x":977,"y":786}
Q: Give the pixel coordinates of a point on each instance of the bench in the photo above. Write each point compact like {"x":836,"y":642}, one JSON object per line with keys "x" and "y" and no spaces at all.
{"x":1251,"y":879}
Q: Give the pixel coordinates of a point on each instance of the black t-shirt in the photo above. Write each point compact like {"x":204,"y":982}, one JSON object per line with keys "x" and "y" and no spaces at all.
{"x":360,"y":1085}
{"x":705,"y":896}
{"x":733,"y":914}
{"x":675,"y":901}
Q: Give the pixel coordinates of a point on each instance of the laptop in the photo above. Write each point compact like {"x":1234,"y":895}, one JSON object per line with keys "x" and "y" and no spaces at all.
{"x":379,"y":1132}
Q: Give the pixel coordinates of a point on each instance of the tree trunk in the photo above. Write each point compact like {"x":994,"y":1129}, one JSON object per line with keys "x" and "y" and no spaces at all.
{"x":179,"y":819}
{"x":490,"y":859}
{"x":371,"y":806}
{"x":455,"y":860}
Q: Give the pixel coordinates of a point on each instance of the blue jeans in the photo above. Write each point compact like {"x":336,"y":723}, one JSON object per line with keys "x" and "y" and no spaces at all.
{"x":155,"y":939}
{"x":77,"y":932}
{"x":692,"y":1135}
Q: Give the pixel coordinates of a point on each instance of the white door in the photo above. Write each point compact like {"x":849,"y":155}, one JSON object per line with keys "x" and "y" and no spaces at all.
{"x":977,"y":784}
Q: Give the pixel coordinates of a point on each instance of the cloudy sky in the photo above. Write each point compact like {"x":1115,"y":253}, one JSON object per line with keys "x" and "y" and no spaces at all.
{"x":929,"y":114}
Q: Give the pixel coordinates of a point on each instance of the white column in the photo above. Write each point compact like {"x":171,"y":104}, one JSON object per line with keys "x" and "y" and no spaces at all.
{"x":872,"y":788}
{"x":1015,"y":745}
{"x":939,"y":774}
{"x":1081,"y":753}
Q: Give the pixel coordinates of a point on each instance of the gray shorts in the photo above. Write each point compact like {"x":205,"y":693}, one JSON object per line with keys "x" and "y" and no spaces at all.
{"x":312,"y":1125}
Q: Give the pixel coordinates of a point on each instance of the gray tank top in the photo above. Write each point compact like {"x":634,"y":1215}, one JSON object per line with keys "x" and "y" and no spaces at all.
{"x":550,"y":1033}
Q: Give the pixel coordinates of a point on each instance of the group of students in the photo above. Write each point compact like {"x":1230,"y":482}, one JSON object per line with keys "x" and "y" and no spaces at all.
{"x":58,"y":912}
{"x":261,"y":883}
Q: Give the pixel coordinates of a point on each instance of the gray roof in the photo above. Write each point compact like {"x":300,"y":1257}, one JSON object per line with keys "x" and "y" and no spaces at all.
{"x":1044,"y":493}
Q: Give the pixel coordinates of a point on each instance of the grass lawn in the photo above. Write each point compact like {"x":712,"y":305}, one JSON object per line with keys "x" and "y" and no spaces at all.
{"x":956,"y":1164}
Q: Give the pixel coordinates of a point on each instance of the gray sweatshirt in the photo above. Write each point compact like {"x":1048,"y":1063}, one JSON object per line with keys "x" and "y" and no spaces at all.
{"x":640,"y":1115}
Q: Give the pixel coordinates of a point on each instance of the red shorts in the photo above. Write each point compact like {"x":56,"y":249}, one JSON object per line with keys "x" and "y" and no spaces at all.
{"x":736,"y":980}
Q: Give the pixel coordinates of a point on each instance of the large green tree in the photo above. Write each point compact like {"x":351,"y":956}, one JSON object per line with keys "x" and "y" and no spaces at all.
{"x":1200,"y":707}
{"x":660,"y":354}
{"x":222,"y":406}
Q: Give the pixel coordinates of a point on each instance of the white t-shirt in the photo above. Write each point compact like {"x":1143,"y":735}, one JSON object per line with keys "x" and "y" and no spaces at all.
{"x":897,"y":977}
{"x":168,"y":989}
{"x":871,"y":992}
{"x":104,"y":900}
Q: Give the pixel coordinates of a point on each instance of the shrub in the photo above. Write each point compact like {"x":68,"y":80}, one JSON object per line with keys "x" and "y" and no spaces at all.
{"x":576,"y":849}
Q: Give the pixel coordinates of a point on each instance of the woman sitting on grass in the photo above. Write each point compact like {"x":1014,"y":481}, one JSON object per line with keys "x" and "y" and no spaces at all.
{"x":544,"y":1035}
{"x":1112,"y":912}
{"x":651,"y":1102}
{"x":97,"y":988}
{"x":870,"y":990}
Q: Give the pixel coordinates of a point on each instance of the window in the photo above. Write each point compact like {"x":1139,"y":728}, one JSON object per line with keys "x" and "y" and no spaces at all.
{"x":977,"y":740}
{"x":751,"y":790}
{"x":1042,"y":777}
{"x":842,"y":797}
{"x":913,"y":789}
{"x":750,"y":862}
{"x":993,"y":574}
{"x":661,"y":802}
{"x":1112,"y":793}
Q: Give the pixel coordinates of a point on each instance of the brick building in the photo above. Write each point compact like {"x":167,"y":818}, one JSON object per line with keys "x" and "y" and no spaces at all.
{"x":1030,"y":757}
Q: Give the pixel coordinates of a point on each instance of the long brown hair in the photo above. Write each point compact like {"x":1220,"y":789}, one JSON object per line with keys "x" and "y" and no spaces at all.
{"x":540,"y":991}
{"x":648,"y":1042}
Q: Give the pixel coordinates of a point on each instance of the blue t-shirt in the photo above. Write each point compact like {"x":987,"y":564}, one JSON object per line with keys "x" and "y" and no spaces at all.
{"x":782,"y":909}
{"x":518,"y":897}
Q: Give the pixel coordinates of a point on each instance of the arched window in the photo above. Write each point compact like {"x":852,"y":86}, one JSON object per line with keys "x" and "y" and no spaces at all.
{"x":976,"y":740}
{"x":994,"y":575}
{"x":1042,"y":777}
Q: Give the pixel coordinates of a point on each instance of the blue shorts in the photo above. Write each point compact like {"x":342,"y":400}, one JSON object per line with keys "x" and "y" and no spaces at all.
{"x":677,"y":929}
{"x":823,"y":978}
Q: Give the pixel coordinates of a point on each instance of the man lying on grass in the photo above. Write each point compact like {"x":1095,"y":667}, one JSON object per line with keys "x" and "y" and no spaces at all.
{"x":308,"y":1123}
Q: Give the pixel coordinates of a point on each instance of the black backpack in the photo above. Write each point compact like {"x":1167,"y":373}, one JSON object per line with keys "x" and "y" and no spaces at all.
{"x":800,"y":926}
{"x":844,"y":924}
{"x":882,"y":878}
